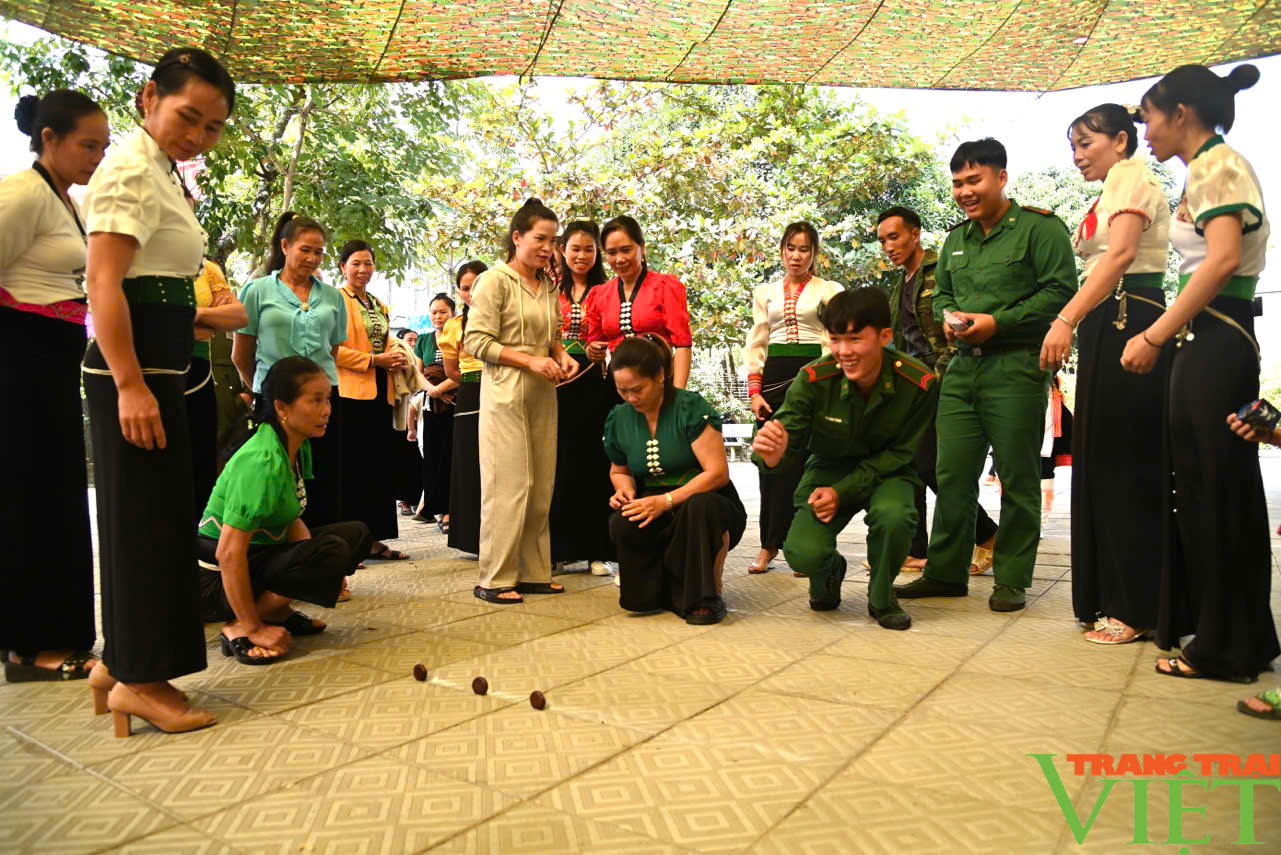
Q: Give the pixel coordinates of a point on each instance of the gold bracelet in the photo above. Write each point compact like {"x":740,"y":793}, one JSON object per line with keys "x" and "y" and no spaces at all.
{"x":1070,"y":325}
{"x":669,"y":500}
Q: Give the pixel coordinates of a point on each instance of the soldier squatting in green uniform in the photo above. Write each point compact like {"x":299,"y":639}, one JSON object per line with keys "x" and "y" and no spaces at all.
{"x":860,"y":412}
{"x":1006,"y":271}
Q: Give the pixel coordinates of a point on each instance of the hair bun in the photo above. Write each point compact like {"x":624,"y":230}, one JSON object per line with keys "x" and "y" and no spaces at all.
{"x":25,"y":113}
{"x":1133,"y":111}
{"x":1242,"y":77}
{"x":532,"y":200}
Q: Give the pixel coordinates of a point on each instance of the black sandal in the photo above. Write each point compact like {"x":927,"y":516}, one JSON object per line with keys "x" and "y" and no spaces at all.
{"x":1176,"y":671}
{"x":388,"y":554}
{"x":422,"y":519}
{"x":240,"y":647}
{"x":716,"y":612}
{"x":27,"y":671}
{"x":539,"y":588}
{"x":490,"y":595}
{"x":298,"y":624}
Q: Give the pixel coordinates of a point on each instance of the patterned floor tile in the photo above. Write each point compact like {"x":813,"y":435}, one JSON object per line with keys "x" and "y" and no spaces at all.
{"x":538,"y":830}
{"x":507,"y":628}
{"x":276,"y":688}
{"x":581,"y":606}
{"x":175,"y":841}
{"x":592,"y":644}
{"x":23,"y":761}
{"x":422,"y":612}
{"x":88,"y":739}
{"x":856,"y":681}
{"x":519,"y":750}
{"x":392,"y":713}
{"x":709,"y":660}
{"x":700,"y":797}
{"x":399,"y":655}
{"x":1078,"y":664}
{"x":381,"y":805}
{"x":29,"y":703}
{"x":793,"y":729}
{"x":1076,"y":715}
{"x":1149,"y":684}
{"x":629,"y":697}
{"x":74,"y":812}
{"x":909,"y":648}
{"x":221,"y":766}
{"x":1180,"y":727}
{"x":865,"y":815}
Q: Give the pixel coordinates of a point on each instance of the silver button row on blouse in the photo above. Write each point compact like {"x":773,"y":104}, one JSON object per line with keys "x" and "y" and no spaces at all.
{"x":625,"y":318}
{"x":651,"y":457}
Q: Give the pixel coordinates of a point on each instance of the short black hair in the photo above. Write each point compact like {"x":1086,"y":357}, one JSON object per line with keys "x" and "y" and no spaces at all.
{"x":1110,"y":120}
{"x":180,"y":65}
{"x":985,"y":152}
{"x":352,"y":247}
{"x":909,"y":216}
{"x":855,"y":309}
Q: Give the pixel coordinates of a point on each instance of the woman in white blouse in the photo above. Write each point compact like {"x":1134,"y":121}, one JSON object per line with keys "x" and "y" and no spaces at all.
{"x":145,"y":250}
{"x":786,"y":334}
{"x":1218,"y":570}
{"x":1116,"y":453}
{"x":46,"y":620}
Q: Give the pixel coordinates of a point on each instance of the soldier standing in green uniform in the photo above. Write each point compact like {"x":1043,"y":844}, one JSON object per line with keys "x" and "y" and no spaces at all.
{"x":1003,"y":275}
{"x":918,"y":334}
{"x":860,"y":413}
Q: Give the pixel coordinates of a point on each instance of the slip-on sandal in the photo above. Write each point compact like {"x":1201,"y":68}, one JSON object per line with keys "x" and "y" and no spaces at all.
{"x":490,"y":595}
{"x":716,"y":612}
{"x":240,"y":647}
{"x":27,"y":671}
{"x":1272,"y":697}
{"x":1176,"y":671}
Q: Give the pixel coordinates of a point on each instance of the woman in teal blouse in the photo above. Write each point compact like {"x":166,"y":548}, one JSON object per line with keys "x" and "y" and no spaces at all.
{"x":256,"y":552}
{"x":292,"y":313}
{"x":676,"y":513}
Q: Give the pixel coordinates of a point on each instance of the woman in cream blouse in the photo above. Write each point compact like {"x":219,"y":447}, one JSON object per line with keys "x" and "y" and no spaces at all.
{"x":46,"y":621}
{"x":1116,"y":473}
{"x":145,"y":251}
{"x":786,"y":334}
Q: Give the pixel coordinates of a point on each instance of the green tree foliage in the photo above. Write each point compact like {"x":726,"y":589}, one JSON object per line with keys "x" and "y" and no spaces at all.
{"x":712,"y":173}
{"x":351,"y":156}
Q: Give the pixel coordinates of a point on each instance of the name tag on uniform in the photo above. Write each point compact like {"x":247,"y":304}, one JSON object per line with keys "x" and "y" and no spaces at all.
{"x":835,"y":419}
{"x":958,"y":252}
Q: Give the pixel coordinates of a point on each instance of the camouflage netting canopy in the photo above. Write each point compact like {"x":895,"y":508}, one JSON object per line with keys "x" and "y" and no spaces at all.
{"x":1023,"y":45}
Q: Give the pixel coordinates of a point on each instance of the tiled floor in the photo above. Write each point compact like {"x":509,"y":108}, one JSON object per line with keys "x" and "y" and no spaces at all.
{"x":778,"y":731}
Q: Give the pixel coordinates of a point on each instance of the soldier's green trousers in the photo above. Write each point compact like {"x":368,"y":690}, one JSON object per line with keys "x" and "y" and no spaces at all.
{"x":810,"y":547}
{"x":995,"y":401}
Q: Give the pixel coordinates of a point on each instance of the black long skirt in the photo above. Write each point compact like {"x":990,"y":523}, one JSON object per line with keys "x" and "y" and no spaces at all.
{"x":202,"y":428}
{"x":368,"y":482}
{"x":325,"y":488}
{"x":670,"y":563}
{"x":580,"y":510}
{"x":147,"y":549}
{"x":777,"y":507}
{"x":44,"y":505}
{"x":406,"y":469}
{"x":1116,"y":469}
{"x":1217,"y":575}
{"x":437,"y":460}
{"x":464,"y":481}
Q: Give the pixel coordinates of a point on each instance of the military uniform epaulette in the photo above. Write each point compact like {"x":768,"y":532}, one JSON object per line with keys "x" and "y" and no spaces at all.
{"x":915,"y":372}
{"x":822,"y":370}
{"x":1044,"y":212}
{"x":957,"y":225}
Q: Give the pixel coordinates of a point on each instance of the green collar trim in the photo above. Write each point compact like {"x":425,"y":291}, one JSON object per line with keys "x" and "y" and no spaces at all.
{"x":1209,"y":144}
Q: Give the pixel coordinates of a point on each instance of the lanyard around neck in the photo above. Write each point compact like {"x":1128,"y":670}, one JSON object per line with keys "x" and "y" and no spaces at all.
{"x":48,"y":179}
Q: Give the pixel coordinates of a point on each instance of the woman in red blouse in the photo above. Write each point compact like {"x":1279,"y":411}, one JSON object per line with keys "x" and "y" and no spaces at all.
{"x":638,"y":300}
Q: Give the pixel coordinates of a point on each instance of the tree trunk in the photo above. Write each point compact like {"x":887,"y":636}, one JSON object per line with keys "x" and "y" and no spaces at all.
{"x":291,"y":171}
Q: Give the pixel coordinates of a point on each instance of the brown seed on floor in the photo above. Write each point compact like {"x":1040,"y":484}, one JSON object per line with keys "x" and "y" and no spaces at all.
{"x":537,"y":700}
{"x":420,"y":672}
{"x":480,"y":685}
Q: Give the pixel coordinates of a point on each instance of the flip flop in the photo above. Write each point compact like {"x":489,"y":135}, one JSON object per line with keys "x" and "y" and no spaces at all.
{"x":389,"y":554}
{"x":1176,"y":671}
{"x":1271,"y":697}
{"x":490,"y":595}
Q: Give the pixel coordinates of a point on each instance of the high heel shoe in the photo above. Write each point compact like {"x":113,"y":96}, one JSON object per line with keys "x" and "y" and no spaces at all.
{"x":124,"y":702}
{"x":101,"y":682}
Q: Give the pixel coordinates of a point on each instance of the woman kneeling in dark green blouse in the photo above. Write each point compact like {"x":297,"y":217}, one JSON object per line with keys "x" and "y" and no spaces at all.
{"x":677,"y":514}
{"x":256,"y":552}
